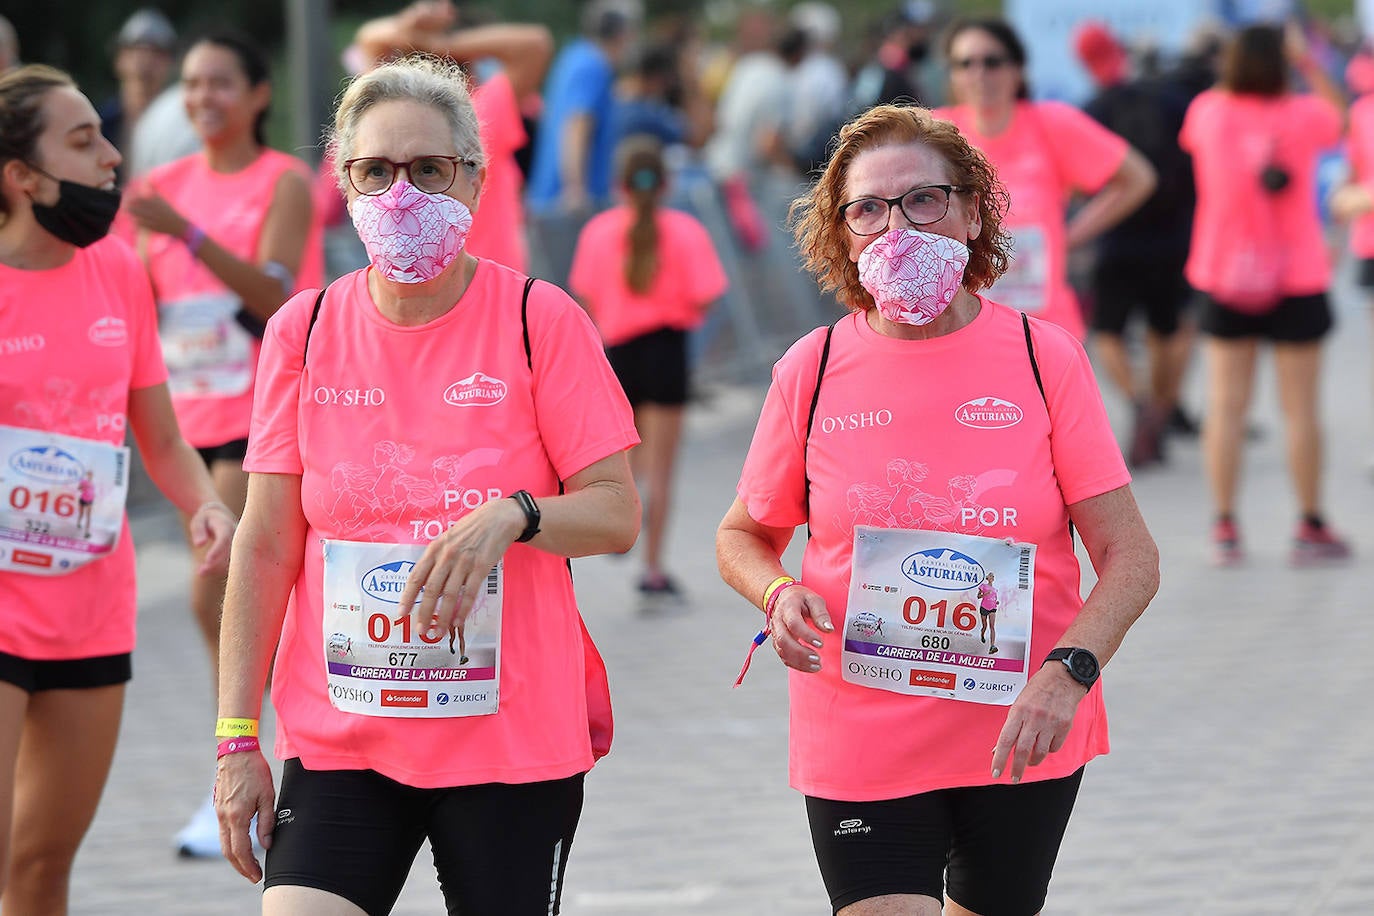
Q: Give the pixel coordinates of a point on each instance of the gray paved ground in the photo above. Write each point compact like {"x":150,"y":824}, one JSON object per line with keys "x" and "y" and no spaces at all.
{"x":1241,"y":742}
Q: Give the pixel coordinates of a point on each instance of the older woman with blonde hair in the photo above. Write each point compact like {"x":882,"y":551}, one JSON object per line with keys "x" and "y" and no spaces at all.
{"x":933,"y":771}
{"x":465,"y":437}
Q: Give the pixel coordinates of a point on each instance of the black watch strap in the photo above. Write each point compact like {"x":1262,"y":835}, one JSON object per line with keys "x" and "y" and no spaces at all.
{"x":1082,"y":664}
{"x":525,"y":501}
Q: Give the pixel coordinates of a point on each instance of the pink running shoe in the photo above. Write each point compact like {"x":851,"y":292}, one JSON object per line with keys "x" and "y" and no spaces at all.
{"x":1226,"y":544}
{"x":1313,"y":545}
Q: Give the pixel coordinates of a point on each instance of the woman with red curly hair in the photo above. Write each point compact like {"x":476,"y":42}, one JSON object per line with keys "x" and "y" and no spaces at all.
{"x":928,"y":438}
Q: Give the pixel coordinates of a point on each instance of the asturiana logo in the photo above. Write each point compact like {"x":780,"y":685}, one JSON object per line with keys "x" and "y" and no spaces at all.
{"x":988,"y":413}
{"x":109,"y":332}
{"x":49,"y":464}
{"x":386,"y":582}
{"x":477,"y":390}
{"x":943,"y":568}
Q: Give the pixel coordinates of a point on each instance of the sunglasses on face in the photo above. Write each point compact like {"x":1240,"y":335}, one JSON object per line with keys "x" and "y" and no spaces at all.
{"x":990,"y":62}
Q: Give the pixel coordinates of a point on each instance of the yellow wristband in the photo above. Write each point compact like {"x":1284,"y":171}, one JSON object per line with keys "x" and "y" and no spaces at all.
{"x":776,"y":584}
{"x":236,"y":728}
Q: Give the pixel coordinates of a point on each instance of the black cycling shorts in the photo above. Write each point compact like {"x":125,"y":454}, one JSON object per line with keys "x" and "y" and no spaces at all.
{"x":990,"y":848}
{"x":1156,"y":288}
{"x":234,"y":450}
{"x":498,"y":848}
{"x":33,"y":675}
{"x":1296,"y":319}
{"x":652,"y":368}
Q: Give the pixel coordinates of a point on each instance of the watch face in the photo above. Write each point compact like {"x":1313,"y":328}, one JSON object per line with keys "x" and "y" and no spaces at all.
{"x":1084,"y":665}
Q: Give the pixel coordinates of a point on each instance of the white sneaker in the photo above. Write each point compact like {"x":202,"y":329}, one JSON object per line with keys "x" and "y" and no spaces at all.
{"x":199,"y":839}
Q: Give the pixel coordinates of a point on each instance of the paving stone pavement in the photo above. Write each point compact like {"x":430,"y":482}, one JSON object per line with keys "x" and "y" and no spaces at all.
{"x":1237,"y":782}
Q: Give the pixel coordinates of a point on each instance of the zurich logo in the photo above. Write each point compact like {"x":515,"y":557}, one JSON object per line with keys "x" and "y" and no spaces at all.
{"x":943,"y":568}
{"x":49,"y":464}
{"x":988,"y":413}
{"x":969,"y":683}
{"x":441,"y":699}
{"x":386,"y":582}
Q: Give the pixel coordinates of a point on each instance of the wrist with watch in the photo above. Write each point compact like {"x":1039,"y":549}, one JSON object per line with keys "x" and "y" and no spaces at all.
{"x":1081,"y":664}
{"x":527,"y":505}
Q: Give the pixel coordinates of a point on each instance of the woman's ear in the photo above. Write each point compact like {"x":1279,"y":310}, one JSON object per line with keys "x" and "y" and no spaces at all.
{"x":975,"y":218}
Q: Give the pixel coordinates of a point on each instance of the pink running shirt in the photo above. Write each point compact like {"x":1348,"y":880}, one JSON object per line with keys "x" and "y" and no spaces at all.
{"x":390,"y":450}
{"x":880,"y":456}
{"x":498,"y":226}
{"x":231,"y":209}
{"x":1231,"y":137}
{"x":987,"y":597}
{"x":1048,"y":151}
{"x":689,"y":276}
{"x":74,"y":341}
{"x":1361,"y":150}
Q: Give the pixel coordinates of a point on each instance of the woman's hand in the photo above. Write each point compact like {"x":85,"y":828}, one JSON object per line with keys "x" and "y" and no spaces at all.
{"x":1038,"y":722}
{"x":799,"y":617}
{"x":152,"y":212}
{"x":243,"y":788}
{"x":214,"y":524}
{"x":454,"y":568}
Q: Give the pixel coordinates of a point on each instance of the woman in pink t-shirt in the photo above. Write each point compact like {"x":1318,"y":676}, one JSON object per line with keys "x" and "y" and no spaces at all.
{"x":433,"y":436}
{"x":78,"y":329}
{"x":648,"y":274}
{"x":931,"y":435}
{"x":228,"y":234}
{"x":987,"y":611}
{"x":1259,"y":254}
{"x":1044,"y":152}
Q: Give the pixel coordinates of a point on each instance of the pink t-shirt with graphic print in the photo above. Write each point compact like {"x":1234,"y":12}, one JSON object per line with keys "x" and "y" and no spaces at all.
{"x":688,"y":279}
{"x":74,"y":341}
{"x":385,"y":457}
{"x":1049,"y":151}
{"x":987,"y":596}
{"x":231,"y":209}
{"x":1231,"y":138}
{"x":498,"y":226}
{"x":887,"y":450}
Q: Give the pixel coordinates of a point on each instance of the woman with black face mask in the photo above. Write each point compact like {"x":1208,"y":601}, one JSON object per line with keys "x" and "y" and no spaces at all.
{"x":78,"y":337}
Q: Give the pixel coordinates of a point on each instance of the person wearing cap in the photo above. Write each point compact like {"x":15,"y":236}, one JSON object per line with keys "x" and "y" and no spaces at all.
{"x":1139,"y":264}
{"x":144,"y":55}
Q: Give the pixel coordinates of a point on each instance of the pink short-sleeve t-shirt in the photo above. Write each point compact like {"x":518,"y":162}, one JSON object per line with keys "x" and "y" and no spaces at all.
{"x":231,"y":209}
{"x":74,"y":341}
{"x":498,"y":226}
{"x":1231,"y":139}
{"x":1049,"y":151}
{"x":888,"y":448}
{"x":1360,"y":146}
{"x":688,"y":279}
{"x":390,"y":451}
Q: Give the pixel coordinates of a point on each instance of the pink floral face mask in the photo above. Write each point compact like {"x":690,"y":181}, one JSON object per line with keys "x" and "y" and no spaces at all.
{"x":411,"y":236}
{"x":913,"y":275}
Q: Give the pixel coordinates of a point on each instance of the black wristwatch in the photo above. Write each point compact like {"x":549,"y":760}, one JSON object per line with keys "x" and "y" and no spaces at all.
{"x":1081,"y":663}
{"x":525,"y":501}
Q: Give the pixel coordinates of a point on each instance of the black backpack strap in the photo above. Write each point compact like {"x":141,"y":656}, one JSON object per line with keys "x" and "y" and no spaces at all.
{"x":1035,"y":367}
{"x":811,"y":419}
{"x":525,"y":323}
{"x":314,"y":316}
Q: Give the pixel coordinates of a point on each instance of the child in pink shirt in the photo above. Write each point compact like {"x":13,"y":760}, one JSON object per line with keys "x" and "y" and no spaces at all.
{"x":648,"y":274}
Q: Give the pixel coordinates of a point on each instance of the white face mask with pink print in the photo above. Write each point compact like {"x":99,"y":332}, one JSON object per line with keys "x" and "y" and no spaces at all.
{"x":913,"y":275}
{"x":409,"y":235}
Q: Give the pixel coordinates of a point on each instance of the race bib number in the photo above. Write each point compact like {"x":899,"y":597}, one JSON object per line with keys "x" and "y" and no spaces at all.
{"x":376,"y":666}
{"x":916,"y":622}
{"x":61,"y":500}
{"x":208,"y":353}
{"x":1025,"y":285}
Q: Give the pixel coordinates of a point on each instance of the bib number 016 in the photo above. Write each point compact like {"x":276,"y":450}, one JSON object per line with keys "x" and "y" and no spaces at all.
{"x":379,"y":629}
{"x":22,"y":499}
{"x":915,"y":610}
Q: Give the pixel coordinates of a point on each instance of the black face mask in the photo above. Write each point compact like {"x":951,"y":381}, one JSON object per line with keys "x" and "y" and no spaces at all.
{"x":916,"y":52}
{"x":82,"y":214}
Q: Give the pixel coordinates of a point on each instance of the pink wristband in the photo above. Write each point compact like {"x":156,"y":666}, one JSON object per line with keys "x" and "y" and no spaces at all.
{"x":237,"y":746}
{"x":773,"y":601}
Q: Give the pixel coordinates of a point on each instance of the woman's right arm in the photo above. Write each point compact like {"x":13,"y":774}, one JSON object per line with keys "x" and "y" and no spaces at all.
{"x":749,"y":555}
{"x":265,"y":563}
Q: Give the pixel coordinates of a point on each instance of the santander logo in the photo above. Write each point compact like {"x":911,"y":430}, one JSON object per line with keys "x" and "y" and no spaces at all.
{"x":988,"y":413}
{"x":477,"y":390}
{"x":109,"y":332}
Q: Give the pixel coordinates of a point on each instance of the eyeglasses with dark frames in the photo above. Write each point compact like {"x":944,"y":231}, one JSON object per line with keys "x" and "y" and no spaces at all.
{"x":921,"y":206}
{"x":373,"y":175}
{"x":988,"y":62}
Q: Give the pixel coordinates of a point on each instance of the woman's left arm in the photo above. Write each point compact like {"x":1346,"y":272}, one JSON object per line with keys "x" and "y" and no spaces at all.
{"x":266,"y":282}
{"x":598,"y":513}
{"x":1127,"y":563}
{"x":1128,"y":188}
{"x":180,"y":474}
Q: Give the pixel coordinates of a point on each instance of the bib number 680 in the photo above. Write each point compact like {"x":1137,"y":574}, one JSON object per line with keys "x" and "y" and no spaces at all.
{"x":915,"y":610}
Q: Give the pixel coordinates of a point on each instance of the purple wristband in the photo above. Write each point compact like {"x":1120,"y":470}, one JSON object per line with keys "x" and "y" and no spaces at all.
{"x":194,"y":238}
{"x":237,"y":746}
